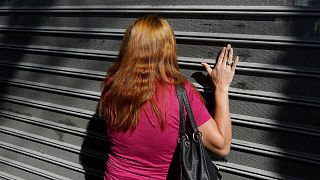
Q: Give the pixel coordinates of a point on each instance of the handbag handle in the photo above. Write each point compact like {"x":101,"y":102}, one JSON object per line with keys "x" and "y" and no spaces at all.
{"x":184,"y":102}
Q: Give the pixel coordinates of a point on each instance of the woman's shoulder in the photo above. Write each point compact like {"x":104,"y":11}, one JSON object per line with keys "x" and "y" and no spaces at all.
{"x":190,"y":88}
{"x":192,"y":92}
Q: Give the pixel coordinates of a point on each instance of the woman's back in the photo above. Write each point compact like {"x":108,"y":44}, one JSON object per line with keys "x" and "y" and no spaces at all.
{"x":147,"y":152}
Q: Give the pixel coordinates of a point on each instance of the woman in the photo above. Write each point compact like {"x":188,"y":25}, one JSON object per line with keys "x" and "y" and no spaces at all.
{"x":140,"y":106}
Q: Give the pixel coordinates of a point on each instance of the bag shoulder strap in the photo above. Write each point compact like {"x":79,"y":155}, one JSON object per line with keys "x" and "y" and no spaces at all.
{"x":182,"y":126}
{"x":184,"y":102}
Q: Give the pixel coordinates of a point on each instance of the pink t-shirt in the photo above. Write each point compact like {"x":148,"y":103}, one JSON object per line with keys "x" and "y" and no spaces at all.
{"x":147,"y":153}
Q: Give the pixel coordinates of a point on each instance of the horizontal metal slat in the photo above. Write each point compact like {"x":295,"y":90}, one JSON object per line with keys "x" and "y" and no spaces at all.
{"x":195,"y":62}
{"x":275,"y":97}
{"x":258,"y":68}
{"x":87,"y":74}
{"x":276,"y":125}
{"x":52,"y":125}
{"x":40,"y":139}
{"x":239,"y":93}
{"x":181,"y":9}
{"x":9,"y":176}
{"x":239,"y":145}
{"x":250,"y":172}
{"x":236,"y":144}
{"x":194,"y":36}
{"x":52,"y":143}
{"x":233,"y":92}
{"x":49,"y":106}
{"x":31,"y":169}
{"x":48,"y":158}
{"x":60,"y":50}
{"x":82,"y":132}
{"x":52,"y":88}
{"x":267,"y":96}
{"x":274,"y":151}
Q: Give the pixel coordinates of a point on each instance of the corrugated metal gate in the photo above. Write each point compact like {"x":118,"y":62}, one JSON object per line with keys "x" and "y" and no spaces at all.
{"x":53,"y":56}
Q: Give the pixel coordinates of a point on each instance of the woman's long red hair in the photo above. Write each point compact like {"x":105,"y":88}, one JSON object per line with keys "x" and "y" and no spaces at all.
{"x":147,"y":59}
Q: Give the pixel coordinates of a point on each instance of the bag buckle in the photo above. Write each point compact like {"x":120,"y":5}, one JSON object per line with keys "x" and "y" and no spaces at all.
{"x":197,"y":136}
{"x":181,"y":136}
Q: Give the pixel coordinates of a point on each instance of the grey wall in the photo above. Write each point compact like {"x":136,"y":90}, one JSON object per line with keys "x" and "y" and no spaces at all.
{"x":53,"y":57}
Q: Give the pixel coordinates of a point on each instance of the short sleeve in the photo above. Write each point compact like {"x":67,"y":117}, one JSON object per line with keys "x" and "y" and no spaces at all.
{"x":200,"y":112}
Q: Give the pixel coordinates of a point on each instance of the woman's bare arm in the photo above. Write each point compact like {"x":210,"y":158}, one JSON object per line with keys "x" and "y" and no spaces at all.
{"x":217,"y":132}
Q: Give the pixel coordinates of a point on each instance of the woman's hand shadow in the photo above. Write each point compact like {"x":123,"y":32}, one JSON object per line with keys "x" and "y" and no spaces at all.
{"x":205,"y":87}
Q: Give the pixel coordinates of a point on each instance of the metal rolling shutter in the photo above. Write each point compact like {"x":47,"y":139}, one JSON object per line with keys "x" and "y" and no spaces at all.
{"x":53,"y":57}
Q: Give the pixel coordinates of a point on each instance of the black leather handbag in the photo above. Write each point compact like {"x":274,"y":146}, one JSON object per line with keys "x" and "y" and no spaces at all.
{"x":191,"y":160}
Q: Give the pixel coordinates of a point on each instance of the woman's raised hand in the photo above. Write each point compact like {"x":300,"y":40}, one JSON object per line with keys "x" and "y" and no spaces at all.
{"x":224,"y":70}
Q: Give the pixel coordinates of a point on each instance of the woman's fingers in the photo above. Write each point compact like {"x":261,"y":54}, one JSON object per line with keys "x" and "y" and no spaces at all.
{"x":234,"y":65}
{"x":208,"y":68}
{"x":220,"y":59}
{"x":226,"y":54}
{"x":230,"y":58}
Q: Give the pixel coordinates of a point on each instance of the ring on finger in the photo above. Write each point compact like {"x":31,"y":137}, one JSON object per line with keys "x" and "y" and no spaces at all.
{"x":229,"y":62}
